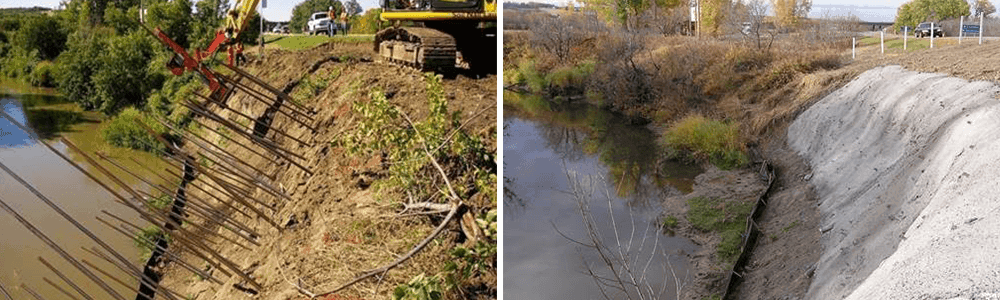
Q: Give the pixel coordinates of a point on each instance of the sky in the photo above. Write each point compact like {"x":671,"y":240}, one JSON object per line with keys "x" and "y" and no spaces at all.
{"x":277,"y":10}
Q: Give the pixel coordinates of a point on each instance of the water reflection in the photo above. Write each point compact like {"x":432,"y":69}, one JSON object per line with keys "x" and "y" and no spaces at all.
{"x":547,"y":150}
{"x":629,"y":150}
{"x":75,"y":193}
{"x":10,"y":135}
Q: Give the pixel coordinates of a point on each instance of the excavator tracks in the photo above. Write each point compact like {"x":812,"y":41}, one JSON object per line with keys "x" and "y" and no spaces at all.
{"x":425,"y":49}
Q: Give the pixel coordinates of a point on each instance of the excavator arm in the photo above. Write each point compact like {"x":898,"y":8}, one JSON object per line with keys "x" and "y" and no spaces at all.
{"x":228,"y":36}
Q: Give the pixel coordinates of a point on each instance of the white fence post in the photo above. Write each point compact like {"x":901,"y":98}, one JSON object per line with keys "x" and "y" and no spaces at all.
{"x":932,"y":34}
{"x":853,"y":42}
{"x":882,"y":40}
{"x":961,"y":28}
{"x":981,"y":29}
{"x":906,"y":32}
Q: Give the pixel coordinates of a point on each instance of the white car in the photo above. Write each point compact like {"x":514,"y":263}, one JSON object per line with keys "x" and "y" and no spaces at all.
{"x":319,"y":22}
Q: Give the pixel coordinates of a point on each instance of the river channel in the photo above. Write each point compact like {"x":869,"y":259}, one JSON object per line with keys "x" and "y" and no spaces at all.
{"x":548,"y":148}
{"x":50,"y":117}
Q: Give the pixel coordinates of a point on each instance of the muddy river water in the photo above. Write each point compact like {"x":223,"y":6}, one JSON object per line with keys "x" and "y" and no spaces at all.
{"x":73,"y":191}
{"x":605,"y":155}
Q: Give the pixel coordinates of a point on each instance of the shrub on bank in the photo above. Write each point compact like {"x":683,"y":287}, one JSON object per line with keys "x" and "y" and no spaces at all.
{"x":714,"y":140}
{"x":123,"y":131}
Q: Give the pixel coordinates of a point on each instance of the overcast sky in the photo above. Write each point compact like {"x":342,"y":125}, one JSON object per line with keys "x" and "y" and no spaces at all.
{"x":277,"y":10}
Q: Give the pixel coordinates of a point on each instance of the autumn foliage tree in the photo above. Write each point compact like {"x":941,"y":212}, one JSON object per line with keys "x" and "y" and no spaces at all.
{"x":788,"y":12}
{"x":917,"y":11}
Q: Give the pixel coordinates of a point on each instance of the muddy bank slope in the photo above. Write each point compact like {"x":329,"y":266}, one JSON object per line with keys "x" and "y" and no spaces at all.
{"x":904,"y":167}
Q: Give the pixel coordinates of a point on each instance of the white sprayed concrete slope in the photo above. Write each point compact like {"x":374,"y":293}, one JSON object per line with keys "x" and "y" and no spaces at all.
{"x":906,"y":166}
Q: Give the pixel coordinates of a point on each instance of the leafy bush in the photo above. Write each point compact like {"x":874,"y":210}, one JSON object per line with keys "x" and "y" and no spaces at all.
{"x":104,"y":72}
{"x":43,"y":74}
{"x":419,"y":288}
{"x":705,"y":138}
{"x":18,"y":63}
{"x":122,"y":131}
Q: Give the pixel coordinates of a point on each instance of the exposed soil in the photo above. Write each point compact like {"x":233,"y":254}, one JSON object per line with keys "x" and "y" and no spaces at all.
{"x":335,"y":227}
{"x":782,"y":267}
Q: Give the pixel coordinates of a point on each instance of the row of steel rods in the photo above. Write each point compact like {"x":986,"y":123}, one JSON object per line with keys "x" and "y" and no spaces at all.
{"x":220,"y":186}
{"x":199,"y":140}
{"x":170,"y":254}
{"x":266,"y":144}
{"x":189,"y":200}
{"x":146,"y":216}
{"x":173,"y":224}
{"x":243,"y":131}
{"x":237,"y":184}
{"x":66,"y":216}
{"x":254,"y":120}
{"x":263,"y":84}
{"x":97,"y":253}
{"x":225,"y":187}
{"x":232,"y":168}
{"x":256,"y":95}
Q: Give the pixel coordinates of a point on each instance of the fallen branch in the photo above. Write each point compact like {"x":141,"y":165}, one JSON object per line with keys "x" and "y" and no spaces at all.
{"x":427,"y":206}
{"x":386,"y":268}
{"x":299,"y":287}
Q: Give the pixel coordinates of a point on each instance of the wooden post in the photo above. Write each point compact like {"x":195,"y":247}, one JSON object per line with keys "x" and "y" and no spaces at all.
{"x":961,"y":28}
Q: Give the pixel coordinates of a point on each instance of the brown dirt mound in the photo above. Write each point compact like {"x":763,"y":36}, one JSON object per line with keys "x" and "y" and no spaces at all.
{"x":335,"y":228}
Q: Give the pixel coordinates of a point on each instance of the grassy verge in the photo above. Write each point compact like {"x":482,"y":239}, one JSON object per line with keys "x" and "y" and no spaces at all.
{"x":302,"y":42}
{"x":728,"y":218}
{"x":703,"y":138}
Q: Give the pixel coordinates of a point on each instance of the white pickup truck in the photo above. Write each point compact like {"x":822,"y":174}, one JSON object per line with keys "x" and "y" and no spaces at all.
{"x":319,"y":22}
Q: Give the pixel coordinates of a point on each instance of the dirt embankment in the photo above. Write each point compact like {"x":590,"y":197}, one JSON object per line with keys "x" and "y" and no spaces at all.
{"x":334,"y":226}
{"x":786,"y":266}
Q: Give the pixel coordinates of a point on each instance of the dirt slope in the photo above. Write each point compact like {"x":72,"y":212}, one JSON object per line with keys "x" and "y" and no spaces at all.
{"x":783,"y":265}
{"x":895,"y":148}
{"x":334,"y":227}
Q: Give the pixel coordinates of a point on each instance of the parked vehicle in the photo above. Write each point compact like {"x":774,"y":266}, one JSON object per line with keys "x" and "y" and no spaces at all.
{"x":924,"y":30}
{"x":319,"y":22}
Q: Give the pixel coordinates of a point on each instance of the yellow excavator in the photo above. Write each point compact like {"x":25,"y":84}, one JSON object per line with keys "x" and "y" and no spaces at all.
{"x":444,"y":34}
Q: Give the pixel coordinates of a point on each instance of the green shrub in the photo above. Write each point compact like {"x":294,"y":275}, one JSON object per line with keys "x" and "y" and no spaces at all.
{"x":18,"y":63}
{"x":717,"y":141}
{"x":43,"y":74}
{"x":670,"y":222}
{"x":569,"y":76}
{"x":146,"y":240}
{"x":122,"y":131}
{"x":419,"y":288}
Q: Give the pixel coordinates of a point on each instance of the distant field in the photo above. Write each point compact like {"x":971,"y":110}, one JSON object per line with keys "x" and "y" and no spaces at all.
{"x":300,"y":42}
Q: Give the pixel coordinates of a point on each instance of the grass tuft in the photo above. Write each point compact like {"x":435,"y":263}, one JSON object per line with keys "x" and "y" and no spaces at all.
{"x":728,"y":218}
{"x":714,"y":140}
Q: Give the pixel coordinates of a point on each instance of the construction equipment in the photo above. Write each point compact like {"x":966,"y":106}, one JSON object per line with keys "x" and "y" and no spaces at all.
{"x":227,"y":37}
{"x":445,"y":33}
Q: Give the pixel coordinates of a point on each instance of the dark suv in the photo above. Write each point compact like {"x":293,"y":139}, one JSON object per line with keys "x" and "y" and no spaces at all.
{"x":924,"y":30}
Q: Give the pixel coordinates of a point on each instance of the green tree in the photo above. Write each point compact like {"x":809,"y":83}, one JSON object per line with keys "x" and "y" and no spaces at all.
{"x":173,"y":17}
{"x":368,"y":22}
{"x":302,"y":12}
{"x":43,"y":34}
{"x":916,"y":11}
{"x":78,"y":64}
